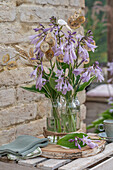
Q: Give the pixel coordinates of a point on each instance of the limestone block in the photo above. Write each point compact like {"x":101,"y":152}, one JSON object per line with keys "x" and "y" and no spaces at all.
{"x":82,"y":112}
{"x":7,"y":97}
{"x":44,"y":108}
{"x":14,"y":33}
{"x":35,"y":13}
{"x":81,"y":96}
{"x":32,"y":128}
{"x":17,"y":114}
{"x":52,"y":2}
{"x":7,"y":13}
{"x":7,"y":135}
{"x":83,"y":126}
{"x":6,"y":50}
{"x":77,"y":3}
{"x":16,"y":76}
{"x":27,"y":96}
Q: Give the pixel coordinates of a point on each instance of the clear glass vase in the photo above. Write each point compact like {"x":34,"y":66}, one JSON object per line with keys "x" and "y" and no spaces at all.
{"x":65,"y":116}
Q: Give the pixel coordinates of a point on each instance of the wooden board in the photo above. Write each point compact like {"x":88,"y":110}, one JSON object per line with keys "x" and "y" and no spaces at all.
{"x":56,"y":151}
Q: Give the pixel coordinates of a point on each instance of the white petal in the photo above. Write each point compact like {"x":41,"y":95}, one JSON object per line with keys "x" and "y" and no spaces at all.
{"x":62,"y":22}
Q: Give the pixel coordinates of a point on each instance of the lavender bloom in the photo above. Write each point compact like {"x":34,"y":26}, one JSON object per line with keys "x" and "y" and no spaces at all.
{"x":83,"y":53}
{"x":34,"y":73}
{"x":65,"y":88}
{"x":69,"y":87}
{"x":110,"y":69}
{"x":92,"y":145}
{"x":99,"y":75}
{"x":85,"y":77}
{"x":71,"y":140}
{"x":40,"y":82}
{"x":110,"y":100}
{"x":59,"y":73}
{"x":78,"y":71}
{"x":111,"y":110}
{"x":91,"y":46}
{"x":66,"y":57}
{"x":60,"y":81}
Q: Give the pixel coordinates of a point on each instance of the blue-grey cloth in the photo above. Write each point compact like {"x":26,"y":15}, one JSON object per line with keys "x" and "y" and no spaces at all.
{"x":23,"y":145}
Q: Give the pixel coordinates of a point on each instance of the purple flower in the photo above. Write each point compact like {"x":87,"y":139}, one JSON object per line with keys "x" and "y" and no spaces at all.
{"x":99,"y":75}
{"x":91,"y":46}
{"x":66,"y":57}
{"x":40,"y":82}
{"x":59,"y":73}
{"x":92,"y":145}
{"x":111,"y":110}
{"x":71,"y":140}
{"x":85,"y":77}
{"x":65,"y":88}
{"x":83,"y":53}
{"x":34,"y":73}
{"x":110,"y":69}
{"x":60,"y":81}
{"x":69,"y":87}
{"x":78,"y":71}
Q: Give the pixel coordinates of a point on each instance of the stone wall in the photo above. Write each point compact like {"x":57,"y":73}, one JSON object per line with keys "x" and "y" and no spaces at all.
{"x":23,"y":112}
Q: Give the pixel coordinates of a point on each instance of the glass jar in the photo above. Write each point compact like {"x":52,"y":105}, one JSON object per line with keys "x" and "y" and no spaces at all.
{"x":65,"y":116}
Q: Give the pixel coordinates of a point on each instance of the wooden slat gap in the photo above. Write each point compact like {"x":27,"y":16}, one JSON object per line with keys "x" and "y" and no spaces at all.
{"x":35,"y":165}
{"x":97,"y":163}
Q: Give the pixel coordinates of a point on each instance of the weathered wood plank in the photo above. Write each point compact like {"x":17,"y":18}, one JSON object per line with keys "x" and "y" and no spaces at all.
{"x":31,"y":162}
{"x":108,"y":164}
{"x":52,"y":164}
{"x":82,"y":163}
{"x":11,"y":166}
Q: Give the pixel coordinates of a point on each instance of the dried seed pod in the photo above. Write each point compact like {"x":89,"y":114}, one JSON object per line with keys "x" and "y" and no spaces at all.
{"x":5,"y":58}
{"x":76,"y":23}
{"x":12,"y":65}
{"x":48,"y":35}
{"x":50,"y":41}
{"x":86,"y":62}
{"x":21,"y":51}
{"x":49,"y":54}
{"x":31,"y":53}
{"x":60,"y":58}
{"x":44,"y":47}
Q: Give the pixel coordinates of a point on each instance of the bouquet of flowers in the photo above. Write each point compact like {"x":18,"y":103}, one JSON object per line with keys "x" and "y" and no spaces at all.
{"x":66,"y":52}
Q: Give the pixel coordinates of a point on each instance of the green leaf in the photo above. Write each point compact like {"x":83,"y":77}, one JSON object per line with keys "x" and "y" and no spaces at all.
{"x":64,"y":141}
{"x":33,"y":89}
{"x":84,"y":85}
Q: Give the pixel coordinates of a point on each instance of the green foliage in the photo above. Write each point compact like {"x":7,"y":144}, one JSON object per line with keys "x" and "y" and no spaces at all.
{"x":84,"y":85}
{"x":97,"y":25}
{"x":103,"y":116}
{"x":64,"y":141}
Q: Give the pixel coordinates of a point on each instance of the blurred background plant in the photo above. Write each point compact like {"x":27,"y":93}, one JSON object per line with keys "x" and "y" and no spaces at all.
{"x":96,"y":20}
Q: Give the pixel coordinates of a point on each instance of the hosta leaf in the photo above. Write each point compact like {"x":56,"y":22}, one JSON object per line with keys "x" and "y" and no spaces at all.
{"x":64,"y":141}
{"x":84,"y":85}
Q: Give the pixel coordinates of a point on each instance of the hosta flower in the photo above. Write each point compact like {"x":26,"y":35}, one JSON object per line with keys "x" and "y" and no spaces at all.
{"x":40,"y":82}
{"x":83,"y":53}
{"x":60,"y":82}
{"x":99,"y":75}
{"x":110,"y":69}
{"x":91,"y":46}
{"x":34,"y":73}
{"x":78,"y":71}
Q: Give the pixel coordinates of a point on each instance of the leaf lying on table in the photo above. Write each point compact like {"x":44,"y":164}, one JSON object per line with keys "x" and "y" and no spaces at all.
{"x":64,"y":141}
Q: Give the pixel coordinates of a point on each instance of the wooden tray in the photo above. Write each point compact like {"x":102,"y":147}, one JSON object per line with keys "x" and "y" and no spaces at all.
{"x":57,"y":152}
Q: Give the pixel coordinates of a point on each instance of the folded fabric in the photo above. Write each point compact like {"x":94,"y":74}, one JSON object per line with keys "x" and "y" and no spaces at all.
{"x":31,"y":155}
{"x":23,"y":145}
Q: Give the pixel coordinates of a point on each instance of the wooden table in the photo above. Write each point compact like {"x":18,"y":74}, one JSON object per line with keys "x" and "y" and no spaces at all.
{"x":101,"y":161}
